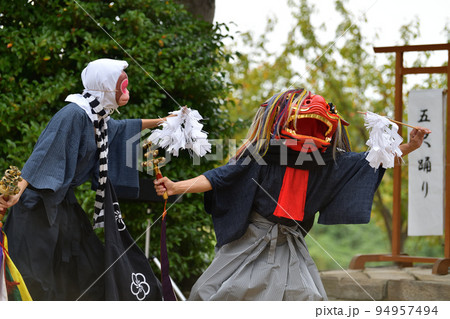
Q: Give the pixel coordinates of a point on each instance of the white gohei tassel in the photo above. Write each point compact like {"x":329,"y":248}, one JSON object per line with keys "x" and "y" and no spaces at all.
{"x":182,"y":131}
{"x":383,"y":141}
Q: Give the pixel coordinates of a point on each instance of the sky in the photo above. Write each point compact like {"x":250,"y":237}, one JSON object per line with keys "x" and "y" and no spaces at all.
{"x":383,"y":17}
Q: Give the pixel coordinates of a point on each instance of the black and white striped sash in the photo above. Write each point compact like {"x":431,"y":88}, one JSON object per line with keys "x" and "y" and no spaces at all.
{"x":101,"y":137}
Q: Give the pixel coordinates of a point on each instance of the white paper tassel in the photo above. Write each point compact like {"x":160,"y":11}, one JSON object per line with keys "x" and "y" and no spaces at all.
{"x":182,"y":131}
{"x":383,"y":141}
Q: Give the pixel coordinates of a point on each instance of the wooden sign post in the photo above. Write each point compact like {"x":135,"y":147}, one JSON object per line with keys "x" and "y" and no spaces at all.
{"x":441,"y":265}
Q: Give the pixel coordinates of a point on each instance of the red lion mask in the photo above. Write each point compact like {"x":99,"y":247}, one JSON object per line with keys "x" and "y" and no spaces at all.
{"x":312,"y":123}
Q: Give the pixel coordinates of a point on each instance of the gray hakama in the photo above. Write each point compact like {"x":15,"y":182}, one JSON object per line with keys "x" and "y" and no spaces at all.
{"x":269,"y":262}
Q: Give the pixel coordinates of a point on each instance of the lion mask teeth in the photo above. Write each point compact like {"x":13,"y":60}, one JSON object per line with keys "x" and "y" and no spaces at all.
{"x":314,"y":120}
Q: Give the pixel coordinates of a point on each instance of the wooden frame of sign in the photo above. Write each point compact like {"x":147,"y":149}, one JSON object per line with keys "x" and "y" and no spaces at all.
{"x":441,"y":265}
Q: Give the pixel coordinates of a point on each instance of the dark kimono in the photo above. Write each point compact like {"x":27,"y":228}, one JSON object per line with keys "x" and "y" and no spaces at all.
{"x":51,"y":240}
{"x":261,"y":256}
{"x":341,"y":191}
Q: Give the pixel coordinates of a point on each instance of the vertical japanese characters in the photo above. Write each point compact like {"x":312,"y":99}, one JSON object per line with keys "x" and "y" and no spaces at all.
{"x":426,"y":165}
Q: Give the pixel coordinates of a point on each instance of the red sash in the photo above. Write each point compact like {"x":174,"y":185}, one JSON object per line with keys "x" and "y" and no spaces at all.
{"x":291,"y":201}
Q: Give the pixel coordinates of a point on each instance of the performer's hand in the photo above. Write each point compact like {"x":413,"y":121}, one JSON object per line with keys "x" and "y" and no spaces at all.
{"x":172,"y":115}
{"x":10,"y":201}
{"x":164,"y":119}
{"x":416,"y":138}
{"x":163,"y":185}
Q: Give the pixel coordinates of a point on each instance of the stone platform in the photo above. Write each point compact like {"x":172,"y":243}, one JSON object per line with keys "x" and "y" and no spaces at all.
{"x":386,"y":284}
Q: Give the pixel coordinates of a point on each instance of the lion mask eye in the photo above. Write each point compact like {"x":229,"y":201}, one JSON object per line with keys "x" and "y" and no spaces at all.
{"x":332,"y":108}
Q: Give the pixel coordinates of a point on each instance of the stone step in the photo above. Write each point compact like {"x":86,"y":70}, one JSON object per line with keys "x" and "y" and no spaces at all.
{"x":386,"y":284}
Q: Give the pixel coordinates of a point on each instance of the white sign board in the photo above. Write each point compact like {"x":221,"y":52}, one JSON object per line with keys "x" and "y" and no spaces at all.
{"x":426,"y":168}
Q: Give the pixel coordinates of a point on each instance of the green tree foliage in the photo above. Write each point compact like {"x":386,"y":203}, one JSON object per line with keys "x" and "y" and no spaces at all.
{"x":343,"y":71}
{"x":44,"y":45}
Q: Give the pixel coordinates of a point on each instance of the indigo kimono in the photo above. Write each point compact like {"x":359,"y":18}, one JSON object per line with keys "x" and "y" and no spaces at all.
{"x":341,"y":191}
{"x":51,"y":240}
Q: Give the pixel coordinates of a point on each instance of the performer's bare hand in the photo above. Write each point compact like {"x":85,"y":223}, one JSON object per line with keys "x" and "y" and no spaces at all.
{"x":163,"y":185}
{"x":6,"y":203}
{"x":416,"y":138}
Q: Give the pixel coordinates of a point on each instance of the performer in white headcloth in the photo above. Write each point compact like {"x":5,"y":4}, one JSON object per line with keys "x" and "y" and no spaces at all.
{"x":50,"y":238}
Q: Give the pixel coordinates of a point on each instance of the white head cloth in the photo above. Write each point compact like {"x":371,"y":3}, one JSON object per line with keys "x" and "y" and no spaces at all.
{"x":99,"y":79}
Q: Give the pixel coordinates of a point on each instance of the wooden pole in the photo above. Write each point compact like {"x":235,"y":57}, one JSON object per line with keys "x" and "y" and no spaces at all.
{"x":447,"y":169}
{"x":410,"y":48}
{"x":396,"y":210}
{"x":441,"y":265}
{"x":401,"y":123}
